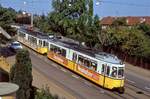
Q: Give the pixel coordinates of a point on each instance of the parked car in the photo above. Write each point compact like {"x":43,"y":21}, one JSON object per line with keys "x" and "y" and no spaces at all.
{"x":15,"y":45}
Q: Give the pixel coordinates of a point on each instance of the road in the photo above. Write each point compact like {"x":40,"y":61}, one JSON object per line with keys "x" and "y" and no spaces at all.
{"x":84,"y":89}
{"x":141,"y":81}
{"x":80,"y":87}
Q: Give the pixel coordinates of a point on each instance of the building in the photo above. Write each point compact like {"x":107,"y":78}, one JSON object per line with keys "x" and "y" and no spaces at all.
{"x":130,"y":20}
{"x":23,"y":18}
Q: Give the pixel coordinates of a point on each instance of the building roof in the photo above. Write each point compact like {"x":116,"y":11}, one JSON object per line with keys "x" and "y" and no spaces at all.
{"x":34,"y":33}
{"x":130,"y":20}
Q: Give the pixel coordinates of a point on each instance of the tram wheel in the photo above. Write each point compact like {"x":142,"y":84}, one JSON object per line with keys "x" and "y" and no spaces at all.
{"x":121,"y":90}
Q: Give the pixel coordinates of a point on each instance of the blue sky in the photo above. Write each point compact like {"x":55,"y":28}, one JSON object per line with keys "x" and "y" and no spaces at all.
{"x":106,"y":7}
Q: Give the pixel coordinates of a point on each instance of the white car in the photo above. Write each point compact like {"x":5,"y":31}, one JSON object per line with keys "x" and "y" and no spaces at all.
{"x":15,"y":45}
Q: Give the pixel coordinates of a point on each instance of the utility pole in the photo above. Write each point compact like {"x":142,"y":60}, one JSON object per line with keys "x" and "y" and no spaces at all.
{"x":31,"y":20}
{"x":31,"y":14}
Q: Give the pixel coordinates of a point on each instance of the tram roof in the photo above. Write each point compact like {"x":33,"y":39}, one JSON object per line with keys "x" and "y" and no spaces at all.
{"x":35,"y":33}
{"x":103,"y":56}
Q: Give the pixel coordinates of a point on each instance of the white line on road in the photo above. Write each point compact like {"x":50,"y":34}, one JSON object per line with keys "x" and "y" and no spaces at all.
{"x":87,"y":83}
{"x":130,"y":81}
{"x":45,"y":59}
{"x":148,"y":88}
{"x":63,"y":70}
{"x":75,"y":76}
{"x":54,"y":65}
{"x":102,"y":91}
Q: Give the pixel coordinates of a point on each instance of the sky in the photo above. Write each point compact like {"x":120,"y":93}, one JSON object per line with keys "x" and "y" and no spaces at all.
{"x":105,"y":7}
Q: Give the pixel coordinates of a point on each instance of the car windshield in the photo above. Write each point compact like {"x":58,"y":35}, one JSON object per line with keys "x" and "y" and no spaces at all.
{"x":16,"y":44}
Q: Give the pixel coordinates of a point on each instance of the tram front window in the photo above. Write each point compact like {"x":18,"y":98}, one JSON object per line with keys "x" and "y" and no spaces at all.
{"x":120,"y":72}
{"x":114,"y":72}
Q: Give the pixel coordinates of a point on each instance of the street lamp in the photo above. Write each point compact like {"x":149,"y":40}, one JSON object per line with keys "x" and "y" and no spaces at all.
{"x":29,"y":15}
{"x":31,"y":19}
{"x":98,"y":2}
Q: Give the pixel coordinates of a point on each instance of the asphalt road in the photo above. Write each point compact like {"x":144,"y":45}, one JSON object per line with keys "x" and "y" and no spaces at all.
{"x":138,"y":80}
{"x":79,"y":86}
{"x":75,"y":85}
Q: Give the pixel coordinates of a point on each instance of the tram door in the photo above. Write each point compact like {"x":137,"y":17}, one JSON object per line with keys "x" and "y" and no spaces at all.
{"x":105,"y":71}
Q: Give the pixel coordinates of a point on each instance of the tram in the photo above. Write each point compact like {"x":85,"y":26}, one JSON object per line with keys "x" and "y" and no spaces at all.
{"x":101,"y":68}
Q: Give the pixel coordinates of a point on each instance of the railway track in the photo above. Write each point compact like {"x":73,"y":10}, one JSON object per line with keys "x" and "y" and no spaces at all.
{"x":132,"y":91}
{"x":138,"y":91}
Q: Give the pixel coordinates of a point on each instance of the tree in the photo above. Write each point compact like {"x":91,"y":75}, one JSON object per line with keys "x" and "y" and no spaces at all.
{"x":7,"y":16}
{"x":44,"y":93}
{"x":130,"y":40}
{"x":145,"y":28}
{"x":64,"y":18}
{"x":21,"y":74}
{"x":119,"y":22}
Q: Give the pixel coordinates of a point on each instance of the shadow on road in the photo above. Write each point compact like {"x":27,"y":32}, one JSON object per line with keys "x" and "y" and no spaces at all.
{"x":6,"y":52}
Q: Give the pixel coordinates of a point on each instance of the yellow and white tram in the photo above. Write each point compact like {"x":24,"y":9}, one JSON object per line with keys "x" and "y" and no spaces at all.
{"x":102,"y":68}
{"x":35,"y":40}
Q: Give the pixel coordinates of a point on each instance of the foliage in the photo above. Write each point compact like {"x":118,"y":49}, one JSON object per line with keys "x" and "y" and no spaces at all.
{"x":7,"y":16}
{"x":145,"y":28}
{"x":74,"y":19}
{"x":21,"y":74}
{"x":119,"y":22}
{"x":42,"y":23}
{"x":44,"y":93}
{"x":129,"y":40}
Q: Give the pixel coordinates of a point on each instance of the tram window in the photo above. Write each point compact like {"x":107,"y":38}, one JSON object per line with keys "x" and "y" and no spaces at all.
{"x":40,"y":42}
{"x":34,"y":40}
{"x":63,"y":52}
{"x":80,"y":60}
{"x":108,"y":70}
{"x":93,"y":66}
{"x":86,"y":63}
{"x":114,"y":72}
{"x":21,"y":34}
{"x":52,"y":47}
{"x":45,"y":43}
{"x":74,"y":58}
{"x":58,"y":50}
{"x":29,"y":38}
{"x":103,"y":69}
{"x":120,"y":72}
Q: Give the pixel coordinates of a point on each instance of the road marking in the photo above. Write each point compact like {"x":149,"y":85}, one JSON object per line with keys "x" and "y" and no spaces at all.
{"x":130,"y":81}
{"x":54,"y":65}
{"x":63,"y":70}
{"x":45,"y":59}
{"x":75,"y":76}
{"x":148,"y":88}
{"x":87,"y":83}
{"x":102,"y":91}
